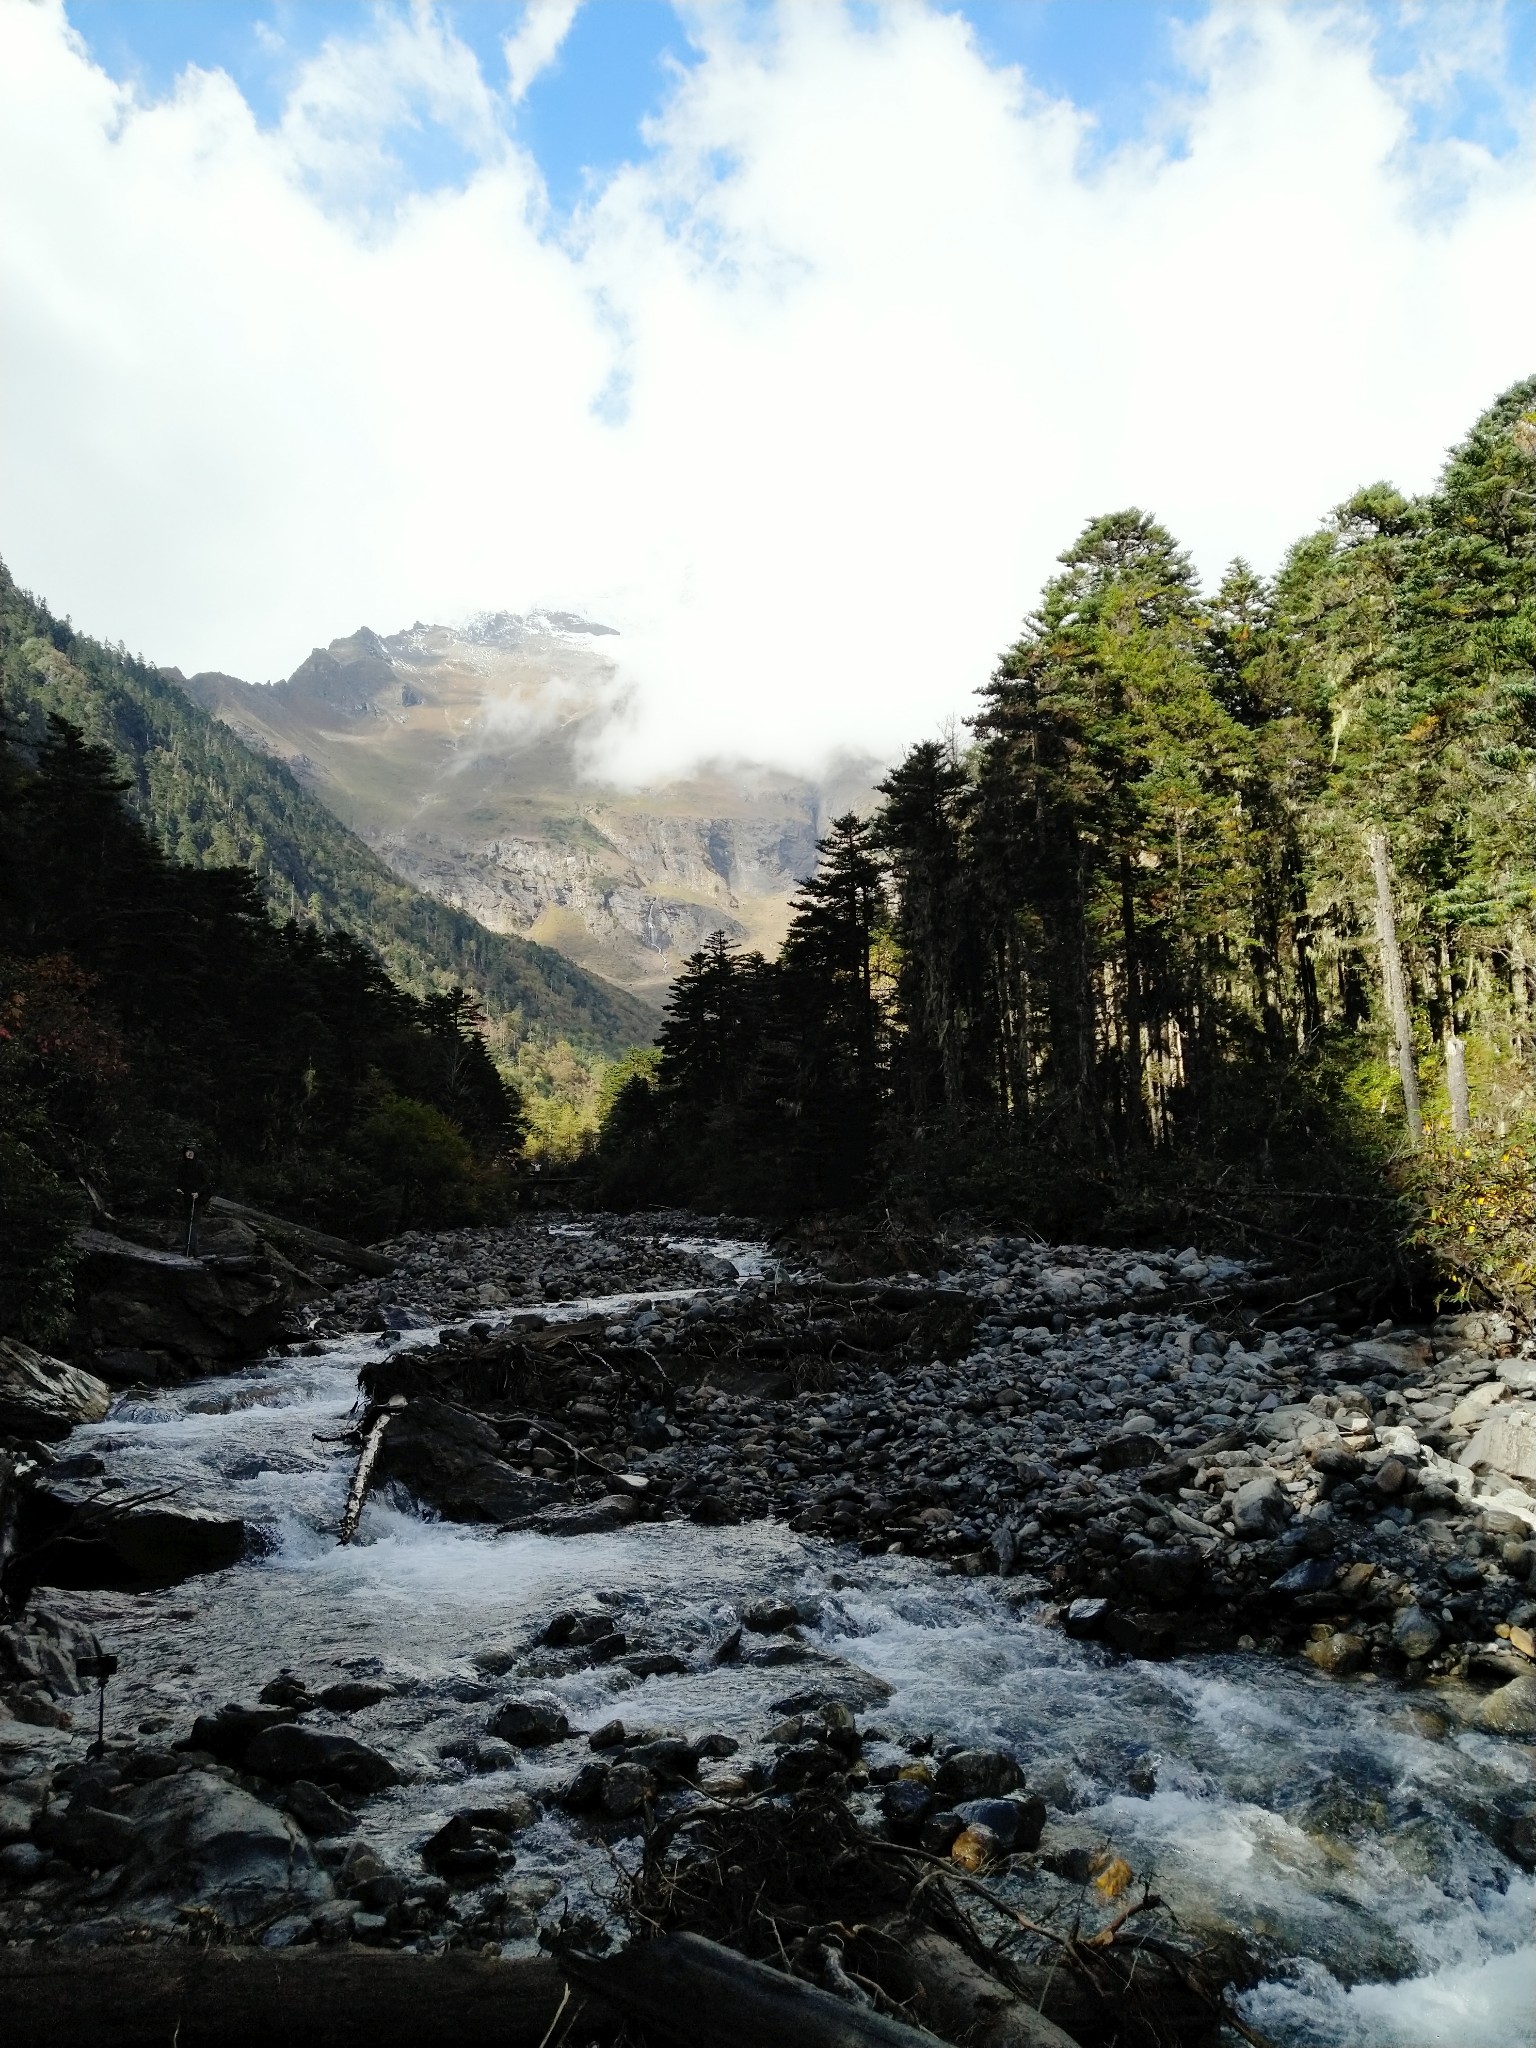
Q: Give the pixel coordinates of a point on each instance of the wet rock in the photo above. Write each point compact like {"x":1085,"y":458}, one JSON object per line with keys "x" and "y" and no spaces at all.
{"x":1169,"y":1577}
{"x":464,"y":1848}
{"x":837,"y":1683}
{"x":1137,"y":1633}
{"x":566,"y":1628}
{"x":1311,"y":1575}
{"x":200,"y":1840}
{"x":1337,"y":1653}
{"x":290,"y":1752}
{"x":366,"y":1878}
{"x":22,"y":1863}
{"x":229,"y":1733}
{"x":19,"y":1807}
{"x":806,"y":1763}
{"x":715,"y":1746}
{"x":584,"y":1792}
{"x":1015,"y":1824}
{"x":1085,"y":1617}
{"x":1414,"y":1634}
{"x":656,"y":1664}
{"x":353,"y":1695}
{"x":332,"y":1921}
{"x":284,"y":1691}
{"x":42,"y":1398}
{"x":1512,"y":1709}
{"x":770,"y":1617}
{"x":905,"y":1805}
{"x":668,"y":1757}
{"x":588,"y":1518}
{"x":89,"y":1543}
{"x":1517,"y":1832}
{"x":529,"y":1724}
{"x":454,"y":1462}
{"x":316,"y":1812}
{"x":627,"y":1790}
{"x":940,"y":1831}
{"x":289,"y":1932}
{"x":85,"y":1834}
{"x":976,"y":1848}
{"x":978,"y":1774}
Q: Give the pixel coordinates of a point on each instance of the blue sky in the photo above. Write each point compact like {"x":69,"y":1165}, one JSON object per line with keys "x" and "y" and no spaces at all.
{"x":583,"y":115}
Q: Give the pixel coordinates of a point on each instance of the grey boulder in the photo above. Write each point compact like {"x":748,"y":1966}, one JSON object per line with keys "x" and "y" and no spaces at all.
{"x":1414,"y":1633}
{"x":198,"y":1840}
{"x":42,"y":1397}
{"x":978,"y":1774}
{"x":1505,"y":1441}
{"x":1260,"y":1508}
{"x":455,"y":1463}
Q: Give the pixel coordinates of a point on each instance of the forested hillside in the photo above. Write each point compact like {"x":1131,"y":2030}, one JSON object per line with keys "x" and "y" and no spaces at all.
{"x":1225,"y":916}
{"x":212,"y":801}
{"x":147,"y":1005}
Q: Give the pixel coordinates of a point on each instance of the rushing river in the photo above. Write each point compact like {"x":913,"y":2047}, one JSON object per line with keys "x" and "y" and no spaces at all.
{"x":1318,"y":1818}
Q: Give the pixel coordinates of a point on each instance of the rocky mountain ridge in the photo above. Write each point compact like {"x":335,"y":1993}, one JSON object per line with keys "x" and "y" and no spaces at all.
{"x":464,"y":757}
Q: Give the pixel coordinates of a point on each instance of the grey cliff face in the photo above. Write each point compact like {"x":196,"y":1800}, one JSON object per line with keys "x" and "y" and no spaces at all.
{"x":460,"y":755}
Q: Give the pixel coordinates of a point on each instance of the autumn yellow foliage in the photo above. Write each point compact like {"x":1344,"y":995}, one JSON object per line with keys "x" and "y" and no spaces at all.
{"x":1476,"y":1202}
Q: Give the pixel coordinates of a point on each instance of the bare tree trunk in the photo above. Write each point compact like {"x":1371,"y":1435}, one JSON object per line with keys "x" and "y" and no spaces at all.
{"x":1395,"y":985}
{"x":1456,"y":1082}
{"x":357,"y":1492}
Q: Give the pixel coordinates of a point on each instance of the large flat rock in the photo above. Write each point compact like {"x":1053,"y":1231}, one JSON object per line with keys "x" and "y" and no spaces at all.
{"x":43,"y":1397}
{"x":132,"y":1297}
{"x":1505,"y":1441}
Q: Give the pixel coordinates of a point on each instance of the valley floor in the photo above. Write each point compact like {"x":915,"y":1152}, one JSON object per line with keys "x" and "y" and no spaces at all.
{"x":935,"y":1605}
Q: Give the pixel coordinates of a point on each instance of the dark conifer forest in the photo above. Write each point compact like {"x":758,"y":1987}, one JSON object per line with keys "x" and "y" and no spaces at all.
{"x":1218,"y":919}
{"x":146,"y":1004}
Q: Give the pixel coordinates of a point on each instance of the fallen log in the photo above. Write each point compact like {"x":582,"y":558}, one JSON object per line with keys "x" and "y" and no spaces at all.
{"x":251,"y":1998}
{"x":357,"y":1492}
{"x":956,"y":1994}
{"x":358,"y":1257}
{"x":694,"y":1993}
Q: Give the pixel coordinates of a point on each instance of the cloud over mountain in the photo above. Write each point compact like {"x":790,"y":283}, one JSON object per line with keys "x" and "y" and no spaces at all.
{"x":804,"y":401}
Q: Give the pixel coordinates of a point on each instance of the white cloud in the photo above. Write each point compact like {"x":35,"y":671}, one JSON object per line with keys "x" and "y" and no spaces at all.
{"x":535,"y":43}
{"x":807,"y":401}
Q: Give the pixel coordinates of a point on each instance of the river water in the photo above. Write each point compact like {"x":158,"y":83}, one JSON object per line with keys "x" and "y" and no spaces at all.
{"x":1318,"y":1818}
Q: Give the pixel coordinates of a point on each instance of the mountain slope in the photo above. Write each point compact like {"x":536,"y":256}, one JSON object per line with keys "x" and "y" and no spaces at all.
{"x":463,"y":756}
{"x":213,"y":801}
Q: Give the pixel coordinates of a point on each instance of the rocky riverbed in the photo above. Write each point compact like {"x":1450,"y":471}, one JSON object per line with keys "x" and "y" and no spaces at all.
{"x":1032,"y":1563}
{"x":1176,"y":1464}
